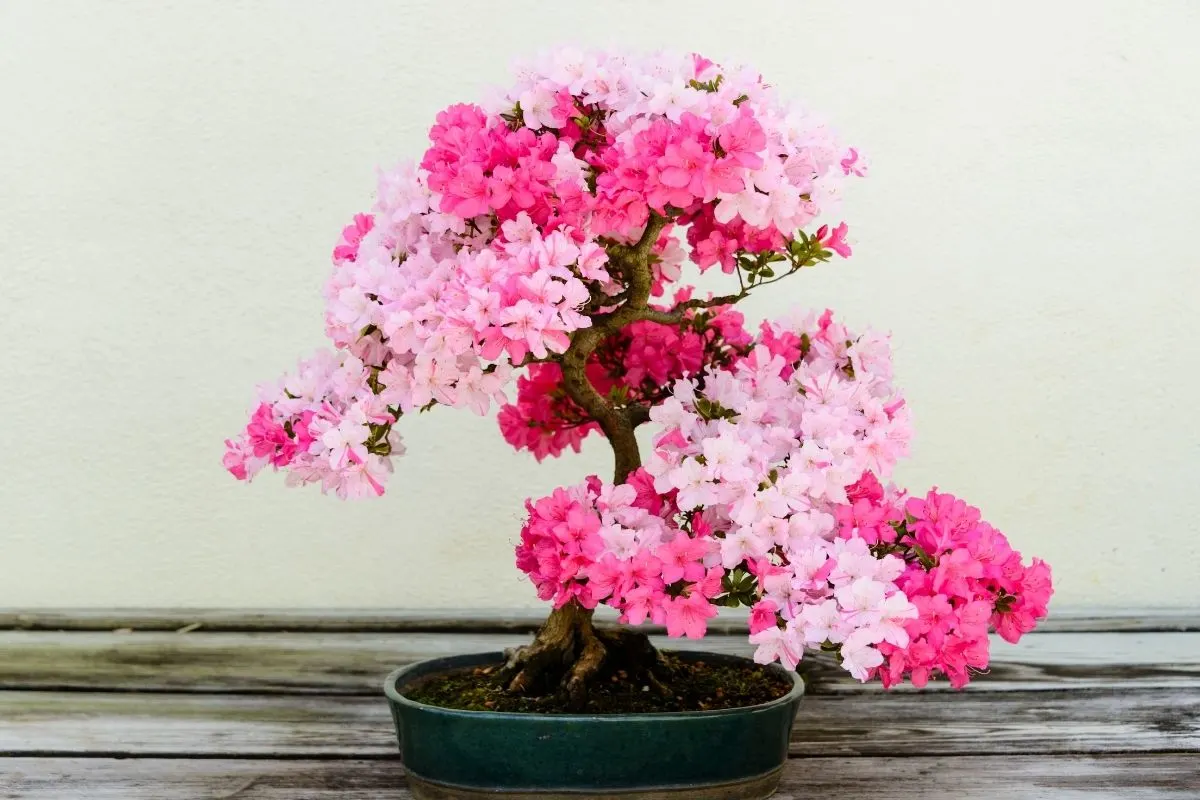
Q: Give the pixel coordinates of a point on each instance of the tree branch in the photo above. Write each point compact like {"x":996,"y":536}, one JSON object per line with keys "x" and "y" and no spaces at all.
{"x":638,"y":414}
{"x":634,"y":265}
{"x":617,"y":424}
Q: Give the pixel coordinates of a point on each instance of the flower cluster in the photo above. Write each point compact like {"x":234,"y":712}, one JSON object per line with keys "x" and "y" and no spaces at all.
{"x":636,"y":366}
{"x":754,"y":461}
{"x":488,"y":254}
{"x":621,"y":545}
{"x":964,"y":579}
{"x":324,"y":423}
{"x":769,"y":451}
{"x":764,"y":490}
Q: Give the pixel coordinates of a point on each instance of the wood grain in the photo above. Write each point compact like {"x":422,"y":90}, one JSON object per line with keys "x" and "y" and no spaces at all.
{"x":1123,"y":777}
{"x":352,"y":663}
{"x":1081,"y":620}
{"x":297,"y":726}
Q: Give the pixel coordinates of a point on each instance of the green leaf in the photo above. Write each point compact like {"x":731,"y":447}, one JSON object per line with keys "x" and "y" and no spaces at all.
{"x":927,"y":561}
{"x":707,"y":86}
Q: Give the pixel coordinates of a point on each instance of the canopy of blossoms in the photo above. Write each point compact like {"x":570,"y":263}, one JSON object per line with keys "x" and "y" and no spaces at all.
{"x":505,"y":263}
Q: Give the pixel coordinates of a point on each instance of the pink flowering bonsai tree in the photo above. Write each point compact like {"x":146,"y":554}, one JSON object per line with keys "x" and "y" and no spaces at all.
{"x":537,"y":258}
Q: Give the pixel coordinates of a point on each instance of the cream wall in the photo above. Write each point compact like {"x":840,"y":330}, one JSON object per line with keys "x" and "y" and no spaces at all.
{"x":173,"y":175}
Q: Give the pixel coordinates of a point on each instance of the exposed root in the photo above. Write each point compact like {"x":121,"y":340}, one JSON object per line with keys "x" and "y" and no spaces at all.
{"x":586,"y":667}
{"x":569,"y":655}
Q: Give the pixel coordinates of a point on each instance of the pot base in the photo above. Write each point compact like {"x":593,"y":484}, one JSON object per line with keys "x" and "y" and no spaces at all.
{"x":758,"y":788}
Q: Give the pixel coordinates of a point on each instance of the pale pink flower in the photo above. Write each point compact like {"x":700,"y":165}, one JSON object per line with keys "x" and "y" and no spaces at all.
{"x":774,"y":644}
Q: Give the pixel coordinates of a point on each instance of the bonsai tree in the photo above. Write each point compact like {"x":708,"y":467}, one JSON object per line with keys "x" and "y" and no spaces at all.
{"x":537,"y":258}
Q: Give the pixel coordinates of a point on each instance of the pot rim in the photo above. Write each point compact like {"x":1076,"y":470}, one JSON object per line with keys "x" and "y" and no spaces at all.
{"x":394,"y":696}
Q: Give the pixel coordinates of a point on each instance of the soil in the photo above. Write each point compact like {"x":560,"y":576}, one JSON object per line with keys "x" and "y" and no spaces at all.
{"x":693,"y":685}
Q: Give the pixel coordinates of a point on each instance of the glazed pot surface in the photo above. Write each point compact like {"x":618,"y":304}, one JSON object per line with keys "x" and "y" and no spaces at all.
{"x":450,"y":754}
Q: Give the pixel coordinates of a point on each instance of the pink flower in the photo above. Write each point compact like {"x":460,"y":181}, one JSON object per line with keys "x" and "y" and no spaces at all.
{"x":776,"y":644}
{"x":954,"y":571}
{"x":743,"y":140}
{"x":688,"y":615}
{"x":684,"y":165}
{"x":642,"y":602}
{"x":235,"y":459}
{"x":853,"y":163}
{"x":347,"y":248}
{"x":763,"y":615}
{"x":681,"y":559}
{"x":710,"y":585}
{"x":834,"y":240}
{"x":866,"y":488}
{"x":608,"y":577}
{"x":466,"y":193}
{"x":268,"y":439}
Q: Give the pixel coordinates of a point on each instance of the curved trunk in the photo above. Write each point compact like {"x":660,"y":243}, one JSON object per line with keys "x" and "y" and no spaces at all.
{"x":569,"y":652}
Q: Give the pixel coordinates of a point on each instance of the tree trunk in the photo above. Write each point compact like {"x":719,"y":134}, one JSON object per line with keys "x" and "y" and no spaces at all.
{"x":569,"y":654}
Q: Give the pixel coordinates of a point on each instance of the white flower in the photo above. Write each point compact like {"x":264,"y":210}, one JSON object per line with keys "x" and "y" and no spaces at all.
{"x":749,"y":205}
{"x":691,"y":478}
{"x":893,"y":611}
{"x":859,"y":657}
{"x":741,"y":545}
{"x":725,"y":457}
{"x":673,"y":99}
{"x":346,"y":437}
{"x":537,"y":106}
{"x":862,"y":600}
{"x":822,"y":622}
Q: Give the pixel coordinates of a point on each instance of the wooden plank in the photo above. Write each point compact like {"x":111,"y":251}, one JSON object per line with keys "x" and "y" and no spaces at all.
{"x":298,"y":726}
{"x":350,"y":663}
{"x":340,"y":663}
{"x":1074,"y":620}
{"x":1123,"y":777}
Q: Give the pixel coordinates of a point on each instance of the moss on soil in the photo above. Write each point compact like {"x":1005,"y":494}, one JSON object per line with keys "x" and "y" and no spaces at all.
{"x":694,"y":686}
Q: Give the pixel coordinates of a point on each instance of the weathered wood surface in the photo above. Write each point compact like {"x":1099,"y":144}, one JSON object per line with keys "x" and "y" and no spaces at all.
{"x":480,"y":621}
{"x":206,"y":714}
{"x":354,"y":663}
{"x":297,"y":726}
{"x":1123,"y":777}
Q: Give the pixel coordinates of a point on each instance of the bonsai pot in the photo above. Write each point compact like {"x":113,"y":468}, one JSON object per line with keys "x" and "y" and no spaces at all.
{"x":729,"y":754}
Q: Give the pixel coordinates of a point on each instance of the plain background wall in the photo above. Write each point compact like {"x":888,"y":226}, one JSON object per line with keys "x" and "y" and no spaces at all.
{"x":173,"y":176}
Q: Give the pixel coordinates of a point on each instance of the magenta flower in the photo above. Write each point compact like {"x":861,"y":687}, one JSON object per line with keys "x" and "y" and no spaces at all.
{"x":835,"y":239}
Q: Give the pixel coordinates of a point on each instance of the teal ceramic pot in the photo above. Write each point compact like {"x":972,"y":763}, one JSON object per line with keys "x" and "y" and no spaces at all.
{"x":733,"y":754}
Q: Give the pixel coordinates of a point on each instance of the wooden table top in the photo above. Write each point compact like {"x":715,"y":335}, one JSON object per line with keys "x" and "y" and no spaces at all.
{"x":200,"y":705}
